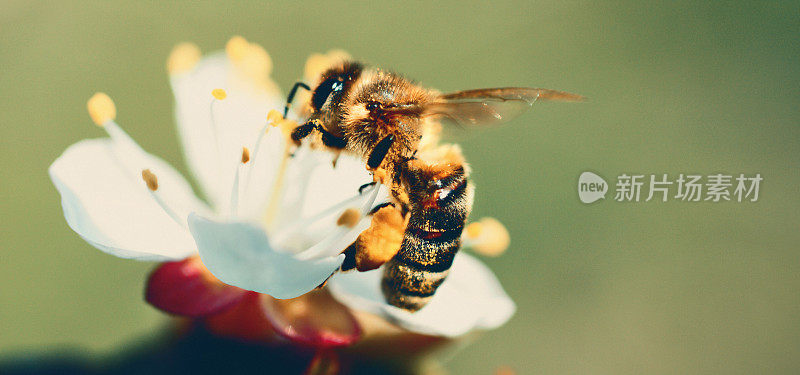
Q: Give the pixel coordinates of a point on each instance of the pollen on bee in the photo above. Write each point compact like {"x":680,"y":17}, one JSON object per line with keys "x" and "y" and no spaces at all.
{"x":183,"y":58}
{"x":349,"y":218}
{"x":382,"y":240}
{"x":219,"y":94}
{"x":101,"y":108}
{"x":358,"y":112}
{"x":150,"y":179}
{"x":245,"y":155}
{"x":488,"y":236}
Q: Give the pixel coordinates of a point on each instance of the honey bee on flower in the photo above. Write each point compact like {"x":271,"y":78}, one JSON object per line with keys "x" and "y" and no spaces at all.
{"x":272,"y":218}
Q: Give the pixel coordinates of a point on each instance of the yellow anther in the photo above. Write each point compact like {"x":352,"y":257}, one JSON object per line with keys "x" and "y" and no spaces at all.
{"x":183,"y":58}
{"x":236,"y":48}
{"x":488,"y":236}
{"x":101,"y":108}
{"x":318,"y":63}
{"x":257,"y":61}
{"x":473,"y":230}
{"x":220,"y":94}
{"x":252,"y":62}
{"x":504,"y":370}
{"x":286,"y":126}
{"x":245,"y":155}
{"x":274,"y":117}
{"x":349,"y":218}
{"x":150,"y":179}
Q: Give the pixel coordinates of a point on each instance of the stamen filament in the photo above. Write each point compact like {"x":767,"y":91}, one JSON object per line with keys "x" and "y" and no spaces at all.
{"x":213,"y":124}
{"x":303,"y":222}
{"x":151,"y":181}
{"x":174,"y":216}
{"x":277,"y":192}
{"x":254,"y":156}
{"x":219,"y":95}
{"x":234,"y":208}
{"x":320,"y":247}
{"x":120,"y":137}
{"x":324,"y":247}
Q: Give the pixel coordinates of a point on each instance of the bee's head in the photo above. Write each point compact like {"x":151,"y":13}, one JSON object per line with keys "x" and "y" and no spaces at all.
{"x":333,"y":85}
{"x":382,"y":104}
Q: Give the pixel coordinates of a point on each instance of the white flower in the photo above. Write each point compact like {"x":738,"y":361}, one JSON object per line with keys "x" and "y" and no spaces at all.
{"x":270,"y":221}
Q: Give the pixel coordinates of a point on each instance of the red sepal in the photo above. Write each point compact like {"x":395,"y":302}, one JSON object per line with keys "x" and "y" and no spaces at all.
{"x":314,"y":319}
{"x":245,"y":322}
{"x":187,"y":288}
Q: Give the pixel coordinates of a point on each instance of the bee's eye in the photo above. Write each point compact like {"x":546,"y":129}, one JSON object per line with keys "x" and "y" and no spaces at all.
{"x":324,"y":90}
{"x":373,"y":106}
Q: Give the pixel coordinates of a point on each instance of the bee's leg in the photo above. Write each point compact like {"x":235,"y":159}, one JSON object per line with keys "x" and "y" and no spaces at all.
{"x":378,"y":207}
{"x":331,"y":140}
{"x":303,"y":131}
{"x":349,"y":258}
{"x":290,"y":98}
{"x":336,"y":155}
{"x":379,"y":152}
{"x":362,"y":187}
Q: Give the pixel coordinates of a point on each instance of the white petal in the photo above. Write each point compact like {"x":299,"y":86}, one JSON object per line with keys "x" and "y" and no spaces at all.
{"x":213,"y":147}
{"x":470,"y":298}
{"x":106,"y":201}
{"x":240,"y":254}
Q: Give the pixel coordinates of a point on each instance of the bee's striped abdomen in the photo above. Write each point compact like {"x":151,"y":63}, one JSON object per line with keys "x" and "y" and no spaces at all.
{"x":431,"y":240}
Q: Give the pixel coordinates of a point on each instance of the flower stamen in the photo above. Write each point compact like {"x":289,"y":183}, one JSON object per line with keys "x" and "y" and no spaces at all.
{"x":245,"y":155}
{"x":103,"y":112}
{"x":252,"y":62}
{"x":302,"y":223}
{"x":326,"y":246}
{"x":236,"y":48}
{"x":487,"y":237}
{"x":261,"y":134}
{"x":151,"y":180}
{"x":272,"y":205}
{"x":101,"y":109}
{"x":219,"y":94}
{"x":236,"y":182}
{"x":349,"y":218}
{"x":183,"y":58}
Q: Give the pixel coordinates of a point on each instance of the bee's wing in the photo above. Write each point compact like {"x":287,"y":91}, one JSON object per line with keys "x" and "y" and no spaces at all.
{"x":492,"y":106}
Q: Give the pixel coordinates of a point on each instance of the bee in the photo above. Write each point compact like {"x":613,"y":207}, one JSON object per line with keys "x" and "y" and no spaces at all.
{"x":392,"y":123}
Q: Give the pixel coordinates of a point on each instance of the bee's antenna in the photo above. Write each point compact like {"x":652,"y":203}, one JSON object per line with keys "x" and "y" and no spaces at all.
{"x":290,"y":98}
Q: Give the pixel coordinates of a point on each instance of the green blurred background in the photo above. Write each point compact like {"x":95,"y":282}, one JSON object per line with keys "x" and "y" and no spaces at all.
{"x":607,"y":288}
